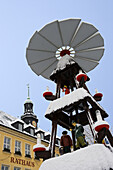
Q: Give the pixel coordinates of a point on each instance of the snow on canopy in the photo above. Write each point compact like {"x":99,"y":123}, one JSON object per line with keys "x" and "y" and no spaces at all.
{"x":63,"y":63}
{"x":93,"y":157}
{"x":66,"y":100}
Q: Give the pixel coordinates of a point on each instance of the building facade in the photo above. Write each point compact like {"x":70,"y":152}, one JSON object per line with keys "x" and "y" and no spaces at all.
{"x":17,"y":138}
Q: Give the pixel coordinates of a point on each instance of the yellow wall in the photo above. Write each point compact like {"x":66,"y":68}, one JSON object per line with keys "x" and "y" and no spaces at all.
{"x":13,"y":159}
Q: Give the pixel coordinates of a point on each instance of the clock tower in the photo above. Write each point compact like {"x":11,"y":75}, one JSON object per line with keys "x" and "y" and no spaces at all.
{"x":29,"y":117}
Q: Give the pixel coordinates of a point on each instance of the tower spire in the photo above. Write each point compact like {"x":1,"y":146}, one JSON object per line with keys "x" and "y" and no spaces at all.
{"x":28,"y":92}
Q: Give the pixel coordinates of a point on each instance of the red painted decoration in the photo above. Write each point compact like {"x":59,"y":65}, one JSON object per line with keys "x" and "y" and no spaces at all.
{"x":79,"y":76}
{"x":99,"y":127}
{"x":39,"y":149}
{"x":98,"y":95}
{"x":66,"y":90}
{"x":64,"y":52}
{"x":47,"y":93}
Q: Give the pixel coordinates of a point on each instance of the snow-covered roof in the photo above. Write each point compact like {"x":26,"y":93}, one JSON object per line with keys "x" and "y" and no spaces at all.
{"x":39,"y":130}
{"x":6,"y":119}
{"x":63,"y":63}
{"x":93,"y":157}
{"x":28,"y":125}
{"x":47,"y":133}
{"x":18,"y":120}
{"x":69,"y":99}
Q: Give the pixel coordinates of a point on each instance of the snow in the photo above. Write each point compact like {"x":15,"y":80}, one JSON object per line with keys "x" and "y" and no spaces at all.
{"x":93,"y":157}
{"x":66,"y":100}
{"x":18,"y":120}
{"x":63,"y":62}
{"x":39,"y":130}
{"x":47,"y":133}
{"x":28,"y":125}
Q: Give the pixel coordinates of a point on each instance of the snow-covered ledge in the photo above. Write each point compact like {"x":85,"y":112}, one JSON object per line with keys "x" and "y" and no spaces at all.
{"x":69,"y":99}
{"x":93,"y":157}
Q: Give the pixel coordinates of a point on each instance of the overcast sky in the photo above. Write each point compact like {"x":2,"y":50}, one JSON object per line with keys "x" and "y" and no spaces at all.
{"x":19,"y":19}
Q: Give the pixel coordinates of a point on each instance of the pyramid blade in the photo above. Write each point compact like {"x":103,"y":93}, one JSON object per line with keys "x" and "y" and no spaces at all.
{"x":49,"y":70}
{"x":38,"y":56}
{"x":40,"y":43}
{"x":86,"y":65}
{"x":84,"y":31}
{"x":38,"y":68}
{"x":52,"y":33}
{"x":94,"y":42}
{"x":95,"y":54}
{"x":68,"y":28}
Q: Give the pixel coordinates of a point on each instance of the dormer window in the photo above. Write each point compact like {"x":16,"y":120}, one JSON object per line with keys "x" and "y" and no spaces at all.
{"x":20,"y":126}
{"x":42,"y":135}
{"x":31,"y":131}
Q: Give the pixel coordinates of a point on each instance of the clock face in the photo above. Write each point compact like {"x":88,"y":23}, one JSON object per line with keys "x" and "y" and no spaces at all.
{"x":34,"y":123}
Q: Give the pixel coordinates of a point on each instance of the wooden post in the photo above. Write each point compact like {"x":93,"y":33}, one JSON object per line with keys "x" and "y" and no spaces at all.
{"x":73,"y":139}
{"x":110,"y":137}
{"x":58,"y":88}
{"x":105,"y":132}
{"x":54,"y":127}
{"x":88,"y":114}
{"x":51,"y":136}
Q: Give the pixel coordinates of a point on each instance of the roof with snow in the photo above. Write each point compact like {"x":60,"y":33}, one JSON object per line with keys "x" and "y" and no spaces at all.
{"x":8,"y":121}
{"x":68,"y":103}
{"x":93,"y":157}
{"x":39,"y":130}
{"x":17,"y":120}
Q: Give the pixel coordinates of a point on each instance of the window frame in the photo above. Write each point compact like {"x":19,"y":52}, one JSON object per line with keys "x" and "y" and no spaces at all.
{"x":27,"y":151}
{"x":32,"y":131}
{"x":16,"y":168}
{"x":5,"y":144}
{"x":17,"y":151}
{"x":5,"y":166}
{"x":20,"y":125}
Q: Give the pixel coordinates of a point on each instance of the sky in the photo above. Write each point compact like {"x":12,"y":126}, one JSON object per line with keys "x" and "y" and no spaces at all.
{"x":18,"y":21}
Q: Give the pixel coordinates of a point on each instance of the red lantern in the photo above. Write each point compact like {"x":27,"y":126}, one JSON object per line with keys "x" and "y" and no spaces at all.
{"x":38,"y":148}
{"x":100,"y":125}
{"x":47,"y":93}
{"x":98,"y":95}
{"x":80,"y":75}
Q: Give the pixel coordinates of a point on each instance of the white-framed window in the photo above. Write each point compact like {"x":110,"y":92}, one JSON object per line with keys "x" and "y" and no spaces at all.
{"x":41,"y":135}
{"x":31,"y":131}
{"x":4,"y":167}
{"x":20,"y":126}
{"x":17,"y":146}
{"x":7,"y":142}
{"x":17,"y":168}
{"x":27,"y":149}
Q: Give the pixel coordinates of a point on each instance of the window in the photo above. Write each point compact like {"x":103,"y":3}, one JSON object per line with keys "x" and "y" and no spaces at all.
{"x":41,"y":135}
{"x":20,"y":126}
{"x":16,"y":168}
{"x":5,"y":167}
{"x":31,"y":131}
{"x":7,"y":144}
{"x":17,"y":147}
{"x":27,"y":150}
